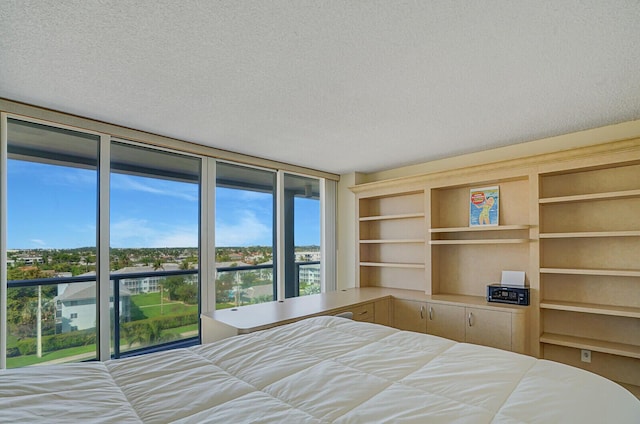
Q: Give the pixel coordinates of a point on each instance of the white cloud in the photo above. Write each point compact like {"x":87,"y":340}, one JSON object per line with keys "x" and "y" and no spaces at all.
{"x":127,"y":183}
{"x":248,"y":231}
{"x":181,"y":237}
{"x":141,"y":233}
{"x":40,"y":243}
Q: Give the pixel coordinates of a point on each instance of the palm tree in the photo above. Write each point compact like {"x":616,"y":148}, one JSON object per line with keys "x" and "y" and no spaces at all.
{"x":134,"y":334}
{"x":157,"y":264}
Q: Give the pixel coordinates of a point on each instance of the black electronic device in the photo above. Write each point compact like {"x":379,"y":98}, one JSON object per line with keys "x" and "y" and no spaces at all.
{"x":508,"y":294}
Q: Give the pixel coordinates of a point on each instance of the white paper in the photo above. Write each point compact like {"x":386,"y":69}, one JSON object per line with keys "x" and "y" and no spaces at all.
{"x":512,"y":278}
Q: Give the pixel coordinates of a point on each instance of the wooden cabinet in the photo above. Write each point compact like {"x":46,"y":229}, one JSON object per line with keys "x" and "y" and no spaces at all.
{"x":446,"y":321}
{"x":364,"y":312}
{"x":382,"y":311}
{"x":590,"y":268}
{"x":376,"y":312}
{"x":488,"y":326}
{"x":410,"y":315}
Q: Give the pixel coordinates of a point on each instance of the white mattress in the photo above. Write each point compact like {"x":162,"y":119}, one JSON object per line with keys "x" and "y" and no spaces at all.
{"x":318,"y":370}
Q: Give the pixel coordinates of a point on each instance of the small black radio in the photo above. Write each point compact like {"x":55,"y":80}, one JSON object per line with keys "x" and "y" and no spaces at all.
{"x":507,"y":294}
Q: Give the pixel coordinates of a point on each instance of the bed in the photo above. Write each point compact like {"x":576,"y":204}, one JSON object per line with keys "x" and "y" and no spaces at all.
{"x":319,"y":370}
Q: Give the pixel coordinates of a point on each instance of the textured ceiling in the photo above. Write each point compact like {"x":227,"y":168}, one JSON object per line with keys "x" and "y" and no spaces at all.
{"x":338,"y":86}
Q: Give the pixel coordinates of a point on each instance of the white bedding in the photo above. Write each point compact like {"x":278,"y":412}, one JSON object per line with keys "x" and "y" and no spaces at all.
{"x":319,"y":370}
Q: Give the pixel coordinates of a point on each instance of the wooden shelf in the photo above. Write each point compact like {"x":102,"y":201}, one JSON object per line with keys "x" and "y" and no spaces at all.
{"x":480,"y":241}
{"x":585,"y":271}
{"x":398,"y":216}
{"x":592,"y":308}
{"x":382,"y":241}
{"x":620,"y":349}
{"x":590,"y":197}
{"x":479,"y":228}
{"x":587,"y":234}
{"x":392,"y":265}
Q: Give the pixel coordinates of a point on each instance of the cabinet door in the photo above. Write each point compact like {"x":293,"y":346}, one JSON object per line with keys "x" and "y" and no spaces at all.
{"x":489,"y":328}
{"x":410,"y":315}
{"x":446,"y":321}
{"x":381,"y":312}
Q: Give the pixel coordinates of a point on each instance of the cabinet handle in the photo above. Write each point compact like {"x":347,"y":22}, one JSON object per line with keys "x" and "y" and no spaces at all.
{"x":430,"y":313}
{"x":363,"y":313}
{"x":421,"y":311}
{"x":469,"y":318}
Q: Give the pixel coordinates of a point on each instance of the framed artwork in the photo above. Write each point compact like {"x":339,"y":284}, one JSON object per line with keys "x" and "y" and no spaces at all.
{"x":484,"y":206}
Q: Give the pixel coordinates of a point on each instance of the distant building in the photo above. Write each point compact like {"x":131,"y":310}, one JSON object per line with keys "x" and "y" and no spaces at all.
{"x":150,"y":284}
{"x":76,"y":306}
{"x":309,"y":274}
{"x":308,"y":256}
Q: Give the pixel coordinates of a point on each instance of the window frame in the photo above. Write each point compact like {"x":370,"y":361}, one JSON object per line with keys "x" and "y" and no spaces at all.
{"x":209,"y":157}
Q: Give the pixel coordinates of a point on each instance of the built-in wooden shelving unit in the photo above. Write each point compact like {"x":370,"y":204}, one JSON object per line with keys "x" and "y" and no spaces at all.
{"x":463,"y":258}
{"x":392,"y":239}
{"x":569,"y":220}
{"x":589,"y":268}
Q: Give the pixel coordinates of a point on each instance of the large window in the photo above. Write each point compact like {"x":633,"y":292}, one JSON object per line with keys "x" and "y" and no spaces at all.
{"x":104,"y":254}
{"x":245,"y":234}
{"x":301,"y":235}
{"x":51,"y":212}
{"x":154,"y":255}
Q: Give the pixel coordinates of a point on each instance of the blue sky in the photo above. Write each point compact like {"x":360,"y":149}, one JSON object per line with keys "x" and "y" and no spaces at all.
{"x":55,"y":207}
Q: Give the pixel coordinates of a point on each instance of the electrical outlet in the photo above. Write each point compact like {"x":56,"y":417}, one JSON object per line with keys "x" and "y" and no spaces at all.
{"x":585,"y":356}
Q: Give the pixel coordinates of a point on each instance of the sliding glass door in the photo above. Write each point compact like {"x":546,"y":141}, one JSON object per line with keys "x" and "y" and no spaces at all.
{"x":245,"y":235}
{"x":154,"y":255}
{"x":302,"y":235}
{"x":52,"y":196}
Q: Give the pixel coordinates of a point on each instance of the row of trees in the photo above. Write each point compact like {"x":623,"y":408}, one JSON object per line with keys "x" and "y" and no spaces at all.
{"x":22,"y":304}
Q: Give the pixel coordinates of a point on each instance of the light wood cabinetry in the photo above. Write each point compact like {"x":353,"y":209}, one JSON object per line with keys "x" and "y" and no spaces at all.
{"x":570,"y":220}
{"x":376,"y":312}
{"x":368,"y":305}
{"x":500,"y":327}
{"x":417,"y":237}
{"x":489,"y":328}
{"x":465,"y":259}
{"x":410,"y":315}
{"x":447,"y":321}
{"x":391,"y":240}
{"x":590,"y":268}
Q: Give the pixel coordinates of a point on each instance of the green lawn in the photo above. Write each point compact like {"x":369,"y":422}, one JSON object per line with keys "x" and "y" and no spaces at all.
{"x":146,"y":299}
{"x":88,"y":352}
{"x":143,"y":306}
{"x":23,"y":361}
{"x":153,"y":311}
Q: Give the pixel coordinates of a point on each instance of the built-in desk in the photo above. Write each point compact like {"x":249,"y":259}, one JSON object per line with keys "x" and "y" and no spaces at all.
{"x":467,"y":318}
{"x":367,"y":304}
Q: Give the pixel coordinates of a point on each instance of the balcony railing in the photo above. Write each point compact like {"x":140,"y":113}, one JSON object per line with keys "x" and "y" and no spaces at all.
{"x":146,"y":320}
